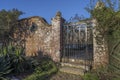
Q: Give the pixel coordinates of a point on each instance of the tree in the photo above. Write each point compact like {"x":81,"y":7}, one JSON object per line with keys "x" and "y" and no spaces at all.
{"x":7,"y":19}
{"x":107,"y":15}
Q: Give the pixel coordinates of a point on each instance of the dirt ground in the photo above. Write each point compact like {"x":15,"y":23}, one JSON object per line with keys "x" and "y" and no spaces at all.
{"x":65,"y":76}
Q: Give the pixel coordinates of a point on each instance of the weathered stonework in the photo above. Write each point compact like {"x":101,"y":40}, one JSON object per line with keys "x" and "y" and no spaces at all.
{"x":38,"y":37}
{"x":100,"y":55}
{"x":57,"y":23}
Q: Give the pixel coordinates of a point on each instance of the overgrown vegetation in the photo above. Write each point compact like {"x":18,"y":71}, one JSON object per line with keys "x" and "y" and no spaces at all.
{"x":5,"y":66}
{"x":43,"y":71}
{"x":109,"y":27}
{"x":13,"y":61}
{"x":7,"y":19}
{"x":107,"y":15}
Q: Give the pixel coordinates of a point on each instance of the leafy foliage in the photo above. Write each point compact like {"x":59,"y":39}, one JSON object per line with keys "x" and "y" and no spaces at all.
{"x":107,"y":16}
{"x":5,"y":66}
{"x":107,"y":20}
{"x":43,"y":71}
{"x":18,"y":62}
{"x":7,"y":19}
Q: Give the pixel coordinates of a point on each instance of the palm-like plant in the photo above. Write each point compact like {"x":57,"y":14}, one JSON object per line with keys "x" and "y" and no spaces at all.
{"x":5,"y":66}
{"x":14,"y":56}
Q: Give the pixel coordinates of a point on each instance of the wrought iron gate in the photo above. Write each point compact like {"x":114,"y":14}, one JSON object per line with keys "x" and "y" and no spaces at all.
{"x":77,"y":43}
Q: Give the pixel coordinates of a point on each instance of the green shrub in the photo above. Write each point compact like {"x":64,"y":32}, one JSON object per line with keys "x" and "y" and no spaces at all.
{"x":5,"y":67}
{"x":34,"y":62}
{"x":43,"y":71}
{"x":17,"y":60}
{"x":19,"y":63}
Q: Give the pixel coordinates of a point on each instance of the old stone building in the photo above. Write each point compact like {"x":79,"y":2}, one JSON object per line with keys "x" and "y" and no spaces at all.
{"x":38,"y":37}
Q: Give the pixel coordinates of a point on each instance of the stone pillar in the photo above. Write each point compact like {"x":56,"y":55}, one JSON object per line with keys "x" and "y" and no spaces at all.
{"x":56,"y":30}
{"x":100,"y":53}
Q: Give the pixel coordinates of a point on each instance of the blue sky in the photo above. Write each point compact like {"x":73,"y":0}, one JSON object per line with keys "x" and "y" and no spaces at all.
{"x":47,"y":8}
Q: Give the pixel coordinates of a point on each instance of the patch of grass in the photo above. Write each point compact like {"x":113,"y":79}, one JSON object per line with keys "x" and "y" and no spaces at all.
{"x":90,"y":76}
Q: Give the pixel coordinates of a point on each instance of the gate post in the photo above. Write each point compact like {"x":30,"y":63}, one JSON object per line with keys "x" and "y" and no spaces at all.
{"x":57,"y":23}
{"x":100,"y":53}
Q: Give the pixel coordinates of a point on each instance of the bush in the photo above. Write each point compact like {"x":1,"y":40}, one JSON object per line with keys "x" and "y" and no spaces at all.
{"x":5,"y":66}
{"x":20,"y":64}
{"x":43,"y":71}
{"x":16,"y":59}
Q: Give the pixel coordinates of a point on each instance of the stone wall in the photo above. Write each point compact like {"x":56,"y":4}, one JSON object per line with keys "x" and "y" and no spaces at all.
{"x":38,"y":37}
{"x":100,"y":54}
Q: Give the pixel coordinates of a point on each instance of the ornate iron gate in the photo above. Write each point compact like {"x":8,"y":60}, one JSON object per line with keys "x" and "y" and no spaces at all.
{"x":77,"y":43}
